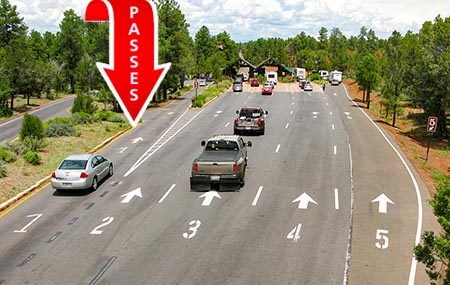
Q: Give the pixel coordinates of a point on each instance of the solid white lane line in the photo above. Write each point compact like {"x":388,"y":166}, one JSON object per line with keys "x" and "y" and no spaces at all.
{"x":255,"y":200}
{"x":167,"y":193}
{"x":287,"y":126}
{"x":278,"y":148}
{"x":332,"y":127}
{"x":336,"y":198}
{"x":335,"y":150}
{"x":227,"y":124}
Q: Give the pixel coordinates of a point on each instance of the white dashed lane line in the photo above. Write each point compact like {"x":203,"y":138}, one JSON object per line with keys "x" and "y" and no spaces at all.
{"x":167,"y":193}
{"x":336,"y":198}
{"x":332,"y":127}
{"x":255,"y":200}
{"x":227,"y":124}
{"x":287,"y":126}
{"x":277,"y":149}
{"x":335,"y":150}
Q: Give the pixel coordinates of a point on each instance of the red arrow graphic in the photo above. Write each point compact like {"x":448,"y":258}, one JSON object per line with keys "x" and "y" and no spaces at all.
{"x":133,"y":73}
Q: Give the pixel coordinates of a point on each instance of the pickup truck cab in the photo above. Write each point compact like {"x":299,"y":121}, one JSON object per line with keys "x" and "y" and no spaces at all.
{"x":222,"y":163}
{"x":250,"y":119}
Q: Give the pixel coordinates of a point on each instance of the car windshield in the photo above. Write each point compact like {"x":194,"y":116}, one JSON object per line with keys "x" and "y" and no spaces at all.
{"x":73,"y":164}
{"x":250,"y":113}
{"x":218,"y":145}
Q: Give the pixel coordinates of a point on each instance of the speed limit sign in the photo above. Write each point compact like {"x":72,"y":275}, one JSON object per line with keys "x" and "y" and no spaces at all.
{"x":432,"y":124}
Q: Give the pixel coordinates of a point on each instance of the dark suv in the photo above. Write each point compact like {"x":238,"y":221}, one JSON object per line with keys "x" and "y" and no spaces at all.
{"x":250,"y":119}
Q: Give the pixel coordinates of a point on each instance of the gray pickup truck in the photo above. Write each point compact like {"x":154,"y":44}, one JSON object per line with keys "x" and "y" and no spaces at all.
{"x":250,"y":119}
{"x":222,"y":164}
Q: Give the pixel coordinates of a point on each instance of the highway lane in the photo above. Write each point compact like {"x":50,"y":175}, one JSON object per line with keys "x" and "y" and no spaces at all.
{"x":59,"y":108}
{"x":384,"y":231}
{"x":236,"y":242}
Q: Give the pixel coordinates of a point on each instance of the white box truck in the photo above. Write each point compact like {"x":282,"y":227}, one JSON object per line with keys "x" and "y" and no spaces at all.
{"x":272,"y":76}
{"x":335,"y":77}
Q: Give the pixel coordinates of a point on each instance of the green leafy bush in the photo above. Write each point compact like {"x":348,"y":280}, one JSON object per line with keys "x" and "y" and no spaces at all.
{"x":3,"y":171}
{"x":33,"y":143}
{"x":31,"y":127}
{"x":314,"y":77}
{"x":7,"y":155}
{"x":59,"y":120}
{"x":5,"y":112}
{"x":60,"y":130}
{"x":32,"y":157}
{"x":83,"y":103}
{"x":82,"y":118}
{"x":109,"y":116}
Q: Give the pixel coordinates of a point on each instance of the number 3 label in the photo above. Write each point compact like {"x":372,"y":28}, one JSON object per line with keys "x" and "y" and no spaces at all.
{"x":382,"y":235}
{"x":192,"y":230}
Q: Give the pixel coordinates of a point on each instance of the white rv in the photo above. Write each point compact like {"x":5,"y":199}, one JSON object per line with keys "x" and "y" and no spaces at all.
{"x":335,"y":77}
{"x":323,"y":74}
{"x":300,"y":72}
{"x":272,"y":76}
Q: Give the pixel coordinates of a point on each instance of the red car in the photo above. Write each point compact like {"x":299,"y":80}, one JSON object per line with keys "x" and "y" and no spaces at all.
{"x":254,"y":83}
{"x":267,"y":90}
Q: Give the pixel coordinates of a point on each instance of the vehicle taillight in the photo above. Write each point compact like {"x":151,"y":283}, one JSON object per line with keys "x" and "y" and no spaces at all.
{"x":260,"y":122}
{"x":84,"y":175}
{"x":236,"y":122}
{"x":53,"y":174}
{"x":234,"y":167}
{"x":195,"y":167}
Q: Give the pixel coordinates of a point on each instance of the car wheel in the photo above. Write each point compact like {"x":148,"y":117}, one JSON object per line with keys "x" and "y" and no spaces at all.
{"x":111,"y":170}
{"x":242,"y":182}
{"x":262,"y":131}
{"x":94,"y":183}
{"x":236,"y":132}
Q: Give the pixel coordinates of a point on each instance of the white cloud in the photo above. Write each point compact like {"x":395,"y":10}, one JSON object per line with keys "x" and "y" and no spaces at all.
{"x":246,"y":20}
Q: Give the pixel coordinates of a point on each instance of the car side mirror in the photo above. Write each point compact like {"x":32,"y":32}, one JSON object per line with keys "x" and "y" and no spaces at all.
{"x":266,"y":112}
{"x":249,"y":144}
{"x":203,"y":143}
{"x":237,"y":112}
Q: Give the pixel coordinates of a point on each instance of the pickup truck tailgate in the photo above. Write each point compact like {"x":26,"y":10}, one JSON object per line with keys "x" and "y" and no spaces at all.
{"x":215,"y":167}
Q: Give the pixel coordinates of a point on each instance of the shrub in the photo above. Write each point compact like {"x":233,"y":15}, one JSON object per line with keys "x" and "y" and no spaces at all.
{"x":116,"y":118}
{"x":32,"y":157}
{"x":82,"y":118}
{"x":33,"y":143}
{"x":314,"y":77}
{"x":109,"y":116}
{"x":5,"y":112}
{"x":61,"y":129}
{"x":60,"y":120}
{"x":31,"y":127}
{"x":83,"y":103}
{"x":7,"y":155}
{"x":3,"y":171}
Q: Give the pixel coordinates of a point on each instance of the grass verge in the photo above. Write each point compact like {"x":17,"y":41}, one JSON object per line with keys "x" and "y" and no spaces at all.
{"x":211,"y":92}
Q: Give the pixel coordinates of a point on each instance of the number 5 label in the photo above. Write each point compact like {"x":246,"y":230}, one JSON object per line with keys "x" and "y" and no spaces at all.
{"x":382,"y":235}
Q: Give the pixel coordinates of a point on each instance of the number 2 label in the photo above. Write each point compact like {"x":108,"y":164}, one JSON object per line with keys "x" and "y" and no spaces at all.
{"x":106,"y":221}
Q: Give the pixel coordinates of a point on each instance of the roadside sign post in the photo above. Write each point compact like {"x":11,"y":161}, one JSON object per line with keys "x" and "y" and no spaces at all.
{"x":196,"y":87}
{"x":431,"y":128}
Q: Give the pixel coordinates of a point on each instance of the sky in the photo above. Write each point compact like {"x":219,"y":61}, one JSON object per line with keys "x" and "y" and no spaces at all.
{"x":249,"y":20}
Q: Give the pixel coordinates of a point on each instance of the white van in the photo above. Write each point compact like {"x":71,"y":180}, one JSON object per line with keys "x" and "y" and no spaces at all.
{"x":272,"y":76}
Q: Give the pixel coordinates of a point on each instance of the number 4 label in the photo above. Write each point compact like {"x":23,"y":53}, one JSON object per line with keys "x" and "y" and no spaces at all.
{"x":382,"y":235}
{"x":294,"y":235}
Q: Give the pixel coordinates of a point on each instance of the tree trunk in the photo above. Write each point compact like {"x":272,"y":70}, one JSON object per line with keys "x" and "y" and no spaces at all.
{"x":368,"y":97}
{"x":28,"y":99}
{"x":12,"y":102}
{"x":394,"y":117}
{"x":364,"y":95}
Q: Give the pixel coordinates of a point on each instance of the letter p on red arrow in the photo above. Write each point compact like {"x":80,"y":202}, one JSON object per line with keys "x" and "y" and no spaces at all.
{"x":133,"y":74}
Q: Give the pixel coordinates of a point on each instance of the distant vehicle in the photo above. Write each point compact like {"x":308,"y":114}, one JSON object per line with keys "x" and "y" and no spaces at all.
{"x":272,"y":76}
{"x":302,"y":83}
{"x":240,"y":77}
{"x":299,"y":73}
{"x":254,"y":83}
{"x":270,"y":84}
{"x":335,"y":77}
{"x":237,"y":86}
{"x":202,"y":82}
{"x":323,"y":74}
{"x":81,"y":171}
{"x":267,"y":90}
{"x":245,"y":76}
{"x":208,"y":78}
{"x":308,"y":86}
{"x":251,"y":119}
{"x":223,"y":163}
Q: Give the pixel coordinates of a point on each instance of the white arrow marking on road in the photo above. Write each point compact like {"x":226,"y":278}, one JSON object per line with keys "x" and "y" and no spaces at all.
{"x":137,"y":140}
{"x":383,"y":200}
{"x":130,"y":195}
{"x":303,"y":201}
{"x":208,"y":197}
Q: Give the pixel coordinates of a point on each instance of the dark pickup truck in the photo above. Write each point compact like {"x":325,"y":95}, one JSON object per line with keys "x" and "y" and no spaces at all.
{"x":222,"y":163}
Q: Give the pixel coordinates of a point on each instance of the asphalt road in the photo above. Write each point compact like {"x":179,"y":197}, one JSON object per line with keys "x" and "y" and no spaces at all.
{"x":60,"y":108}
{"x":304,"y":216}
